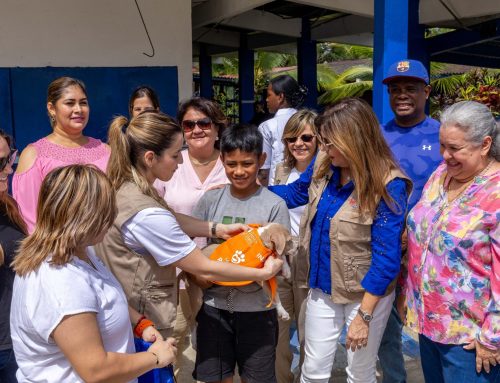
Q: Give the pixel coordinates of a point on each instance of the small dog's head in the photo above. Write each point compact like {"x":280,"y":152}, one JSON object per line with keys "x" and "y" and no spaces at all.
{"x":276,"y":237}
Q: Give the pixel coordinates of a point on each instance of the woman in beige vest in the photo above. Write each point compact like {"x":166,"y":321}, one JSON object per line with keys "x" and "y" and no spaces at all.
{"x":147,"y":240}
{"x":350,"y":239}
{"x":301,"y":146}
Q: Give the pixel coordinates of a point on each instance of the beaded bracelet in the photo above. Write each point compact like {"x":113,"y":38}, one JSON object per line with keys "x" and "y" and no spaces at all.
{"x":141,"y":325}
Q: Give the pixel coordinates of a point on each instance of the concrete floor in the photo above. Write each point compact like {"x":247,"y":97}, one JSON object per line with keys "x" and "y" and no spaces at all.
{"x":410,"y":347}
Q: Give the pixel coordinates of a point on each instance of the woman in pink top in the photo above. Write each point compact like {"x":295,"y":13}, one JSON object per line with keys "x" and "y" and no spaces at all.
{"x":203,"y":122}
{"x":68,"y":110}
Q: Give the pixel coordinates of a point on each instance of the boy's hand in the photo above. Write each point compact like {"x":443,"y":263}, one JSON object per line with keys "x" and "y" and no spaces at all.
{"x":224,"y":231}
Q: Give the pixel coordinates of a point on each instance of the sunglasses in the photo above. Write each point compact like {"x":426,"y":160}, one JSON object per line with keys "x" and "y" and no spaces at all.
{"x":323,"y":143}
{"x":9,"y":160}
{"x":304,"y":138}
{"x":203,"y":124}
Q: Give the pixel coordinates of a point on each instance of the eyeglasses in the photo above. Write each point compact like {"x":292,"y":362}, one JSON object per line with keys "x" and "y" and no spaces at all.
{"x":203,"y":124}
{"x":9,"y":160}
{"x":304,"y":138}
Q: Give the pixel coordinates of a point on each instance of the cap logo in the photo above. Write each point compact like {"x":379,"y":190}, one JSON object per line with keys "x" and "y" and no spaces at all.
{"x":403,"y":66}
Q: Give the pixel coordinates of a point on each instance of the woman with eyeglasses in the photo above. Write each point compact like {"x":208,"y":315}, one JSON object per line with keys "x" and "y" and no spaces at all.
{"x":68,"y":110}
{"x":299,"y":140}
{"x":12,"y":230}
{"x":202,"y":122}
{"x":350,"y":239}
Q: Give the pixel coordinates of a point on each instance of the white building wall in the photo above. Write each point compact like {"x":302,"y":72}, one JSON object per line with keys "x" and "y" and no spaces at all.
{"x":96,"y":33}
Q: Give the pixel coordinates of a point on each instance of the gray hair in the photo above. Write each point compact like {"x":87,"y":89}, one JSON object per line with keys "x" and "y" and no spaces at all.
{"x":476,"y":121}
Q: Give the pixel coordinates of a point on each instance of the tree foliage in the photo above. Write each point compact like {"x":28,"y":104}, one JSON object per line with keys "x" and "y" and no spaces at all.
{"x":353,"y":82}
{"x":481,"y":85}
{"x":329,"y":52}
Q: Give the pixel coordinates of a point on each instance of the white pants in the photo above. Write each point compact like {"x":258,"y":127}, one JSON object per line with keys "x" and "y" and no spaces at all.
{"x":324,"y":323}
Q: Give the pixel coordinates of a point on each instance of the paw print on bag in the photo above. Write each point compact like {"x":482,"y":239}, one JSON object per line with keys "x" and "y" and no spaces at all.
{"x":238,"y":257}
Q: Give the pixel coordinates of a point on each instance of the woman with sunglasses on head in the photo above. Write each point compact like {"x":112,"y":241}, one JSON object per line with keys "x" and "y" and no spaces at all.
{"x":284,"y":95}
{"x":68,"y":110}
{"x":12,"y":230}
{"x":203,"y":122}
{"x":143,"y":98}
{"x":299,"y":139}
{"x":350,"y":239}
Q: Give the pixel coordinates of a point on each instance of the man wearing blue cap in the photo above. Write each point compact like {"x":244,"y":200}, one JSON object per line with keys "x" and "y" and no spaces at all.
{"x":414,"y":140}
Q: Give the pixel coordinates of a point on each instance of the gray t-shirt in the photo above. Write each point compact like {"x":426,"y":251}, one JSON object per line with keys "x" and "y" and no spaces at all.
{"x":262,"y":207}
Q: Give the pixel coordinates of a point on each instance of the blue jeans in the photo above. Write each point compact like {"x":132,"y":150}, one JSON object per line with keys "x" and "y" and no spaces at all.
{"x":8,"y":366}
{"x":390,"y":352}
{"x":450,"y":363}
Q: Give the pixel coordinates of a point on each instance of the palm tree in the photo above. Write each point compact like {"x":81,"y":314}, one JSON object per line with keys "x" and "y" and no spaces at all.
{"x":263,"y":65}
{"x":353,"y":82}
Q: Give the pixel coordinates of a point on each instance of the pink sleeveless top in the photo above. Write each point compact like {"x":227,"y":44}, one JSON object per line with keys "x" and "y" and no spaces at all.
{"x":26,"y":185}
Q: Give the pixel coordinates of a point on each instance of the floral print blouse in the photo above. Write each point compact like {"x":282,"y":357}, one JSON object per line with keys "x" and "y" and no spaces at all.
{"x":453,"y":286}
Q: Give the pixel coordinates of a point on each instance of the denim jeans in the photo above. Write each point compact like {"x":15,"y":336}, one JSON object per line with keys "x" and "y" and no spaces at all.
{"x":8,"y":366}
{"x":390,"y":353}
{"x":449,"y":363}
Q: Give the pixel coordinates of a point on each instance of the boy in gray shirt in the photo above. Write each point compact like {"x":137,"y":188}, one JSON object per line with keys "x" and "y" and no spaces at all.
{"x":234,"y":325}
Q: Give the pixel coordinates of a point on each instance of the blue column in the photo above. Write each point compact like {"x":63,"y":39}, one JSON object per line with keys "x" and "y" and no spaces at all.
{"x":245,"y":79}
{"x":205,"y":73}
{"x":398,"y":36}
{"x":306,"y":64}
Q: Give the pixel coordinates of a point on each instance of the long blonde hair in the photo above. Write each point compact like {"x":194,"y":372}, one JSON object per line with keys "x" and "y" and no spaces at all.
{"x":353,"y":129}
{"x":149,"y":131}
{"x":294,"y":128}
{"x":76,"y":205}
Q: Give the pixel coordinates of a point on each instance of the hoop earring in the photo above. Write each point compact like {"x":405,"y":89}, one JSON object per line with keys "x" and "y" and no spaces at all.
{"x":52,"y":118}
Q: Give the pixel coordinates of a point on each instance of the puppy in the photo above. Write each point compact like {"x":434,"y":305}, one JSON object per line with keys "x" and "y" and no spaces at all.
{"x":275,"y":237}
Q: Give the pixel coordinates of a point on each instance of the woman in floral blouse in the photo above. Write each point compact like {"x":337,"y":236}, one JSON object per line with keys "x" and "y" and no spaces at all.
{"x":453,"y":289}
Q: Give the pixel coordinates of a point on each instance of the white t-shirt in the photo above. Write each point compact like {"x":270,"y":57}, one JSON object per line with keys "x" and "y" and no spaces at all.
{"x":272,"y":130}
{"x":156,"y":231}
{"x":44,"y":297}
{"x":295,"y":213}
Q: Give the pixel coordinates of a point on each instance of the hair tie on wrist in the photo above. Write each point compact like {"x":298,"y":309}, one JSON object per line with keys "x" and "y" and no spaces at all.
{"x":141,"y":325}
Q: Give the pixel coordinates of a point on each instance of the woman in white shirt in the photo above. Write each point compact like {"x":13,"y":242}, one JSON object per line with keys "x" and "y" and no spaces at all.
{"x":284,"y":95}
{"x":70,"y":320}
{"x":148,"y":240}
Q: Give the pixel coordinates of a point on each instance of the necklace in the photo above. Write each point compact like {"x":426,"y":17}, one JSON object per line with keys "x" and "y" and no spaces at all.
{"x":466,"y":183}
{"x":196,"y":162}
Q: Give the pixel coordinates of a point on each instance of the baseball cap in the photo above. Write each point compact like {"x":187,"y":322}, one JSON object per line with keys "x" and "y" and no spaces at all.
{"x":407,"y":69}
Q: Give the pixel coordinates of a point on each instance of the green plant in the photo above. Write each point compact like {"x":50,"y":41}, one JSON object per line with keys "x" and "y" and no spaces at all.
{"x":481,"y":85}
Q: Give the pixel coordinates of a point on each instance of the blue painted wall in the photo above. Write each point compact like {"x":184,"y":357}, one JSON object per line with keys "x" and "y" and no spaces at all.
{"x":23,"y":95}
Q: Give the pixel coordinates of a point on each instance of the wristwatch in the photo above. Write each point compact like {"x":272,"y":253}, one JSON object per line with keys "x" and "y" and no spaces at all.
{"x":213,"y":229}
{"x":365,"y":316}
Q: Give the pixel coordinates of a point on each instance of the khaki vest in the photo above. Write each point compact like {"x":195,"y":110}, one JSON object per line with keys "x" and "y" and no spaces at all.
{"x":150,"y":289}
{"x":281,"y":174}
{"x":350,"y":241}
